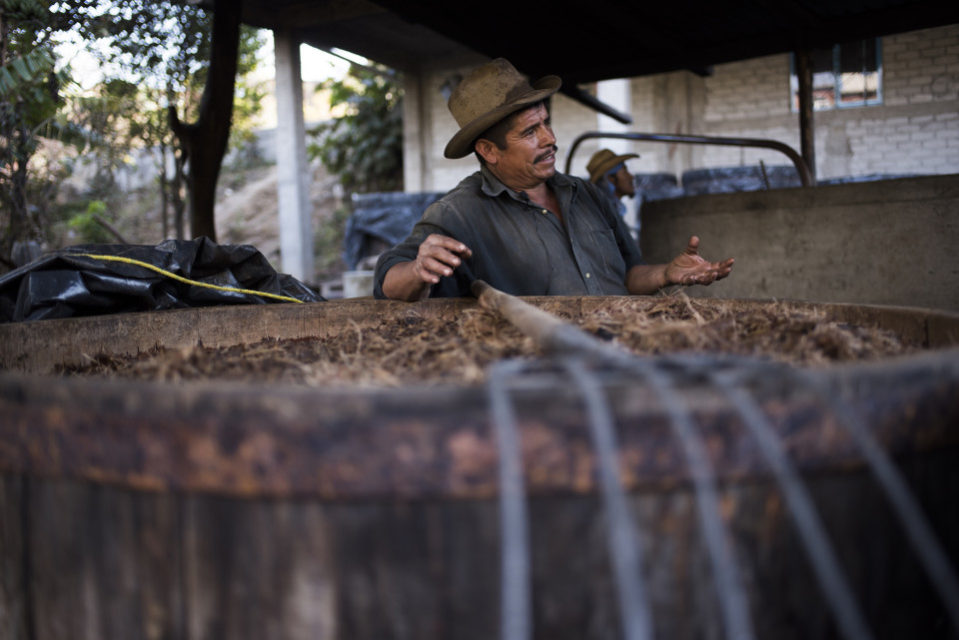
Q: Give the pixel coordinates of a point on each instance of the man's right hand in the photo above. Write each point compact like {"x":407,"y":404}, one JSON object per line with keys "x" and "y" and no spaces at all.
{"x":438,"y":255}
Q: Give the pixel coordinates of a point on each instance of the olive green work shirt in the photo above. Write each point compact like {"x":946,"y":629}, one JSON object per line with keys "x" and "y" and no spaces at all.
{"x":521,"y":248}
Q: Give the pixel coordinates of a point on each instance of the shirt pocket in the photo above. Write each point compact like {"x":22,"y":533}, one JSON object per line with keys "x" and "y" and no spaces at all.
{"x":601,"y":250}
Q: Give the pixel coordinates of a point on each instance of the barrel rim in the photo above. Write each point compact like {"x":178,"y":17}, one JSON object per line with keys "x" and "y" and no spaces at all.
{"x":39,"y":346}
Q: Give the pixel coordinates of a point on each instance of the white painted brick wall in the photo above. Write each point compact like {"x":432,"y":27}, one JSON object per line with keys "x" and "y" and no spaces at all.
{"x":909,"y":133}
{"x":914,"y":130}
{"x":747,"y":90}
{"x":569,"y":120}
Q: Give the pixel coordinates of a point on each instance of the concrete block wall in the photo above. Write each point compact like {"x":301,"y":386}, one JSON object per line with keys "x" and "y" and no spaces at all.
{"x":886,"y":242}
{"x":434,"y":126}
{"x":445,"y":173}
{"x":750,"y":90}
{"x":666,"y":103}
{"x":570,"y":119}
{"x":921,"y":66}
{"x":914,"y":131}
{"x":647,"y":100}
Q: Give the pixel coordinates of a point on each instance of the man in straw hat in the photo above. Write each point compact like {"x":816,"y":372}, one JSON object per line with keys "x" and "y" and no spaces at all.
{"x":517,"y":223}
{"x":609,"y":173}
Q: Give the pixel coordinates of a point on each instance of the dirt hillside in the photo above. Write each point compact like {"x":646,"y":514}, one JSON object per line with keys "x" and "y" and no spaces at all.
{"x":246,"y":213}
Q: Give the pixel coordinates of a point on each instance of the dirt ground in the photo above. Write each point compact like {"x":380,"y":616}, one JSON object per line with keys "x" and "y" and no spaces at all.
{"x":246,"y":213}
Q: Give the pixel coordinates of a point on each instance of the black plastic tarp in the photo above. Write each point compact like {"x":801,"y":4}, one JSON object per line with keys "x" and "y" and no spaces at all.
{"x":656,"y":186}
{"x":75,"y":282}
{"x":697,"y":182}
{"x":388,"y":217}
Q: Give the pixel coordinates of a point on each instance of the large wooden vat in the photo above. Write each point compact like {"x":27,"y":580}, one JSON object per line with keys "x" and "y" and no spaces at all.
{"x":222,"y":510}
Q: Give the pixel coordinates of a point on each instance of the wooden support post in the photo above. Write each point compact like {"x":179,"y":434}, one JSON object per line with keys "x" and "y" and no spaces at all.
{"x":807,"y":129}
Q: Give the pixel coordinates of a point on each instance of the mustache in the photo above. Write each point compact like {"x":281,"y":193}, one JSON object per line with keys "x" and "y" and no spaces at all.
{"x":552,"y":149}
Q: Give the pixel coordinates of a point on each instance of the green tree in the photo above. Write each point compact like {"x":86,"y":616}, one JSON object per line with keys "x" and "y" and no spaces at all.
{"x":105,"y":114}
{"x":150,"y":127}
{"x":193,"y":48}
{"x":186,"y":57}
{"x":29,"y":103}
{"x":170,"y":49}
{"x":248,"y":95}
{"x":166,"y":50}
{"x":364,"y":147}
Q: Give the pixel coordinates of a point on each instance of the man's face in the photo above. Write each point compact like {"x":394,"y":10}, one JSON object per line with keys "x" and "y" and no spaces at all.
{"x":623,"y":182}
{"x":529,"y":158}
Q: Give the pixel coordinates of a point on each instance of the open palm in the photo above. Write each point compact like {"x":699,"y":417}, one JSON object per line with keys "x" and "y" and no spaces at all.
{"x":691,"y":268}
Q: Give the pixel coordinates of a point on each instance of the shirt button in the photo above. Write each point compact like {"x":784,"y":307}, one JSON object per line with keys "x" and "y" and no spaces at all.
{"x":544,"y":211}
{"x":588,"y":275}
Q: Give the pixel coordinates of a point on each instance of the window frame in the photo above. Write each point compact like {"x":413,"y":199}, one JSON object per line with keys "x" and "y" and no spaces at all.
{"x":837,"y":73}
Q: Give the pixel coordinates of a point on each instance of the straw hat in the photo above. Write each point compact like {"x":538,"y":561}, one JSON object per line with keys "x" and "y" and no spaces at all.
{"x":487,"y":95}
{"x":604,"y":160}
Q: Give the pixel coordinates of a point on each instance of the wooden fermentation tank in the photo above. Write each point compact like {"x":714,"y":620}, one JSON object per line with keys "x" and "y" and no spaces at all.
{"x":226,"y":510}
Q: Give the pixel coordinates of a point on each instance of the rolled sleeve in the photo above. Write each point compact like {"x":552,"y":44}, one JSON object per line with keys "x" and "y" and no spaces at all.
{"x":521,"y":248}
{"x":407,"y":250}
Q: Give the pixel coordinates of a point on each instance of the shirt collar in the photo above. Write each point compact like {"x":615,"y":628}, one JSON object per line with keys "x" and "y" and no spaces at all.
{"x":492,"y":186}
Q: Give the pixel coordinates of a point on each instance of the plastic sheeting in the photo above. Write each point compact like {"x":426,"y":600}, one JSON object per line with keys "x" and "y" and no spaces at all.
{"x":386,"y":217}
{"x":656,"y":186}
{"x":71,"y":283}
{"x":734,"y":179}
{"x":662,"y":186}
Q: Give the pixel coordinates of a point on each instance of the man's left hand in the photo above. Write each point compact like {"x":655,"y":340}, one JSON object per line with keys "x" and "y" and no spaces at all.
{"x":690,"y":268}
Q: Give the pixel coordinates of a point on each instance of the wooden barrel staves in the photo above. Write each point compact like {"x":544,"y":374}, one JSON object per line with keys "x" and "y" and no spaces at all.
{"x":213,"y":509}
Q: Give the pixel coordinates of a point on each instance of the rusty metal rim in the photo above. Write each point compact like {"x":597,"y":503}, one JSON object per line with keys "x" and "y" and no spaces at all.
{"x":246,"y":440}
{"x":423,"y":442}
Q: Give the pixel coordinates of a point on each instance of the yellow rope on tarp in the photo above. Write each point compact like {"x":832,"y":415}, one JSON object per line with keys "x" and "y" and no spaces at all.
{"x":173,"y":276}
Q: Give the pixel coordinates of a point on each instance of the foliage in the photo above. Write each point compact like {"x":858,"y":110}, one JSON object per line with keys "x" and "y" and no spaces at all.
{"x":328,"y":243}
{"x":153,"y":54}
{"x":364,"y":147}
{"x":87,"y":226}
{"x":156,"y":45}
{"x":166,"y":46}
{"x":108,"y":114}
{"x":29,"y":103}
{"x":162,"y":50}
{"x":23,"y":72}
{"x":247,"y":99}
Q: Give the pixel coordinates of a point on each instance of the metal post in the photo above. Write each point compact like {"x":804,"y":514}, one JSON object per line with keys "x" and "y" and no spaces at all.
{"x":807,"y":129}
{"x":801,"y":168}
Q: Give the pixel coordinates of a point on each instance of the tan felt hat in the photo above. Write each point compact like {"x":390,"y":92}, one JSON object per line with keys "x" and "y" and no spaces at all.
{"x":604,"y":160}
{"x":487,"y":95}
